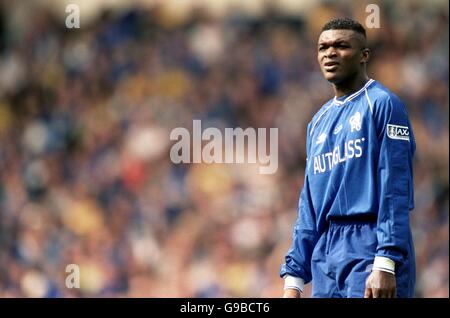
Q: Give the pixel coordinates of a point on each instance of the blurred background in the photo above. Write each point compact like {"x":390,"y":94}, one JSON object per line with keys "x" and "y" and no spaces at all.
{"x":85,"y":117}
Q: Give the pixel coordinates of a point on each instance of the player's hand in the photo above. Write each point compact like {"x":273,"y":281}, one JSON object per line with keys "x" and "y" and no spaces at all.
{"x":380,"y":284}
{"x":291,"y":293}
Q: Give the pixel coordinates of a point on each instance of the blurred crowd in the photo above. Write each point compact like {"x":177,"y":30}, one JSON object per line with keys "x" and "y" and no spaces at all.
{"x":85,"y":118}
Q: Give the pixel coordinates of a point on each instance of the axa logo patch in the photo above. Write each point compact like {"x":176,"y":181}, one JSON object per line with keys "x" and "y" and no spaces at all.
{"x":397,"y":132}
{"x":321,"y":138}
{"x":355,"y":122}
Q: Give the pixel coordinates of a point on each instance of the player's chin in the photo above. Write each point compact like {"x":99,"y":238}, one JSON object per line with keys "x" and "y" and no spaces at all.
{"x":332,"y":77}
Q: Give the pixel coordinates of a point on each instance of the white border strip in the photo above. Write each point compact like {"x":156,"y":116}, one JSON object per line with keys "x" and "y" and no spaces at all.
{"x":370,"y":81}
{"x":370,"y":103}
{"x":320,"y":116}
{"x":337,"y":102}
{"x":294,"y":283}
{"x":384,"y":264}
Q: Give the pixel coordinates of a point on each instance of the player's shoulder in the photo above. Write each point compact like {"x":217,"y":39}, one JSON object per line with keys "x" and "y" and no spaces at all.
{"x":382,"y":96}
{"x":321,"y":111}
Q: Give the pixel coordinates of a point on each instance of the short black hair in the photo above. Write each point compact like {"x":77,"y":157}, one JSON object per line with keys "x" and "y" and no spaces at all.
{"x":345,"y":24}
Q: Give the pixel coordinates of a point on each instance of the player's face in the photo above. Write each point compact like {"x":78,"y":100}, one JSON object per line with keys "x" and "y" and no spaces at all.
{"x":340,"y":54}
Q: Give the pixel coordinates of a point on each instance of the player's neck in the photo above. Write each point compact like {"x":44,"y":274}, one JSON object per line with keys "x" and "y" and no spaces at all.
{"x":350,"y":86}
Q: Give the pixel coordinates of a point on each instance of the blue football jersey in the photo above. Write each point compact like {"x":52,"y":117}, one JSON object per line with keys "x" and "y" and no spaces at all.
{"x":359,"y":162}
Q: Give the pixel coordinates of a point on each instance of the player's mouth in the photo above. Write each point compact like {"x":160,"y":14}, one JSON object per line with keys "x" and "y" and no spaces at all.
{"x":330,"y":66}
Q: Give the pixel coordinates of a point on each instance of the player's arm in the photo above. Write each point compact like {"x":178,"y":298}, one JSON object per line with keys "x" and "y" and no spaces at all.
{"x":296,"y":270}
{"x":395,"y":190}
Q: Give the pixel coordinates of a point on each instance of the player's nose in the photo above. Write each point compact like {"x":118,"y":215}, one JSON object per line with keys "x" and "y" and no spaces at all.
{"x":330,"y":52}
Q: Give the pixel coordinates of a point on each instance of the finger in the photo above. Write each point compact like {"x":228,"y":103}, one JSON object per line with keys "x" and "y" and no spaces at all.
{"x":385,"y":293}
{"x":368,"y":292}
{"x":390,"y":293}
{"x":394,"y":293}
{"x":376,"y":293}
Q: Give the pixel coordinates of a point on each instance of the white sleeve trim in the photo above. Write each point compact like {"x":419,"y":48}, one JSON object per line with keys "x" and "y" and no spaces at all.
{"x":370,"y":103}
{"x":291,"y":282}
{"x":384,"y":264}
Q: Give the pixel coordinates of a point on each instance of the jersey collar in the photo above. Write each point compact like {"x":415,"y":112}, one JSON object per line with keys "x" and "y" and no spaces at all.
{"x":338,"y":102}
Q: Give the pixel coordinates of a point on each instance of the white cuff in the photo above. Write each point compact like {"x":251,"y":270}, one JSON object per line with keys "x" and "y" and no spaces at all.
{"x":291,"y":282}
{"x":384,"y":264}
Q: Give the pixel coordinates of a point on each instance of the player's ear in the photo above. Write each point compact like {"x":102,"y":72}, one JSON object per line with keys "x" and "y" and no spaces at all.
{"x":365,"y":55}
